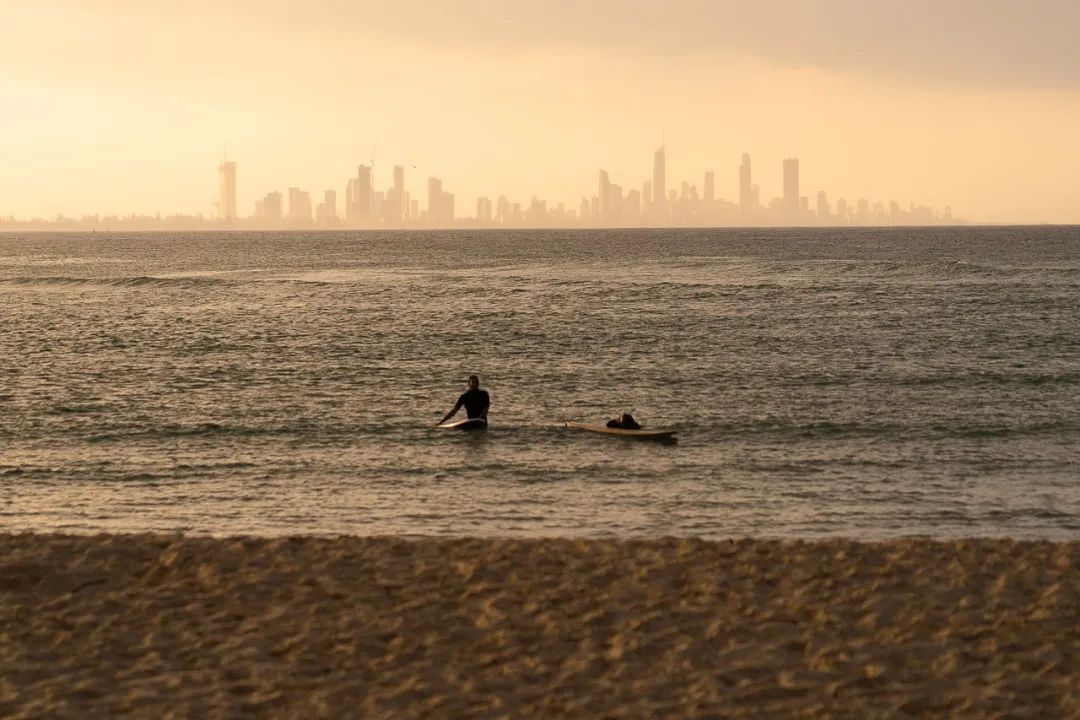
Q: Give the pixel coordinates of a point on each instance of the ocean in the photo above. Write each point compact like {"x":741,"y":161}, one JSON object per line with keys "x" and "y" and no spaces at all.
{"x":864,"y":383}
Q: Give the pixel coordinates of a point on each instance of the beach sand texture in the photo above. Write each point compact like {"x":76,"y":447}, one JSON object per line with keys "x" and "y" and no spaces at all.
{"x":167,"y":626}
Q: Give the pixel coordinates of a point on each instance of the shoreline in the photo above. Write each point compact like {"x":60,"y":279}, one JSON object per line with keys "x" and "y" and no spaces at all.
{"x":189,"y":626}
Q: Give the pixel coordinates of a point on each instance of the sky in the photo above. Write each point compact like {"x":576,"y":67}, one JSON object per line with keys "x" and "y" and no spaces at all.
{"x":120,"y":106}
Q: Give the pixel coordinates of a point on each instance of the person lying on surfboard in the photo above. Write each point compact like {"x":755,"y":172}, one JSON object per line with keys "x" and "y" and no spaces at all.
{"x":475,"y":400}
{"x":626,"y":422}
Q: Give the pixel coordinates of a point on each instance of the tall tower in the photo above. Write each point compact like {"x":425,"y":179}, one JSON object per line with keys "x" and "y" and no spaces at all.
{"x":365,"y":195}
{"x":822,"y":206}
{"x":330,"y":202}
{"x":436,"y":201}
{"x":791,"y":189}
{"x":604,"y":193}
{"x":397,"y":195}
{"x":659,"y":181}
{"x":746,"y":187}
{"x":227,"y":189}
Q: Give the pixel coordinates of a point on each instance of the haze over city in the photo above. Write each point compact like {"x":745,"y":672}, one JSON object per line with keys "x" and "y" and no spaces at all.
{"x":123,"y":107}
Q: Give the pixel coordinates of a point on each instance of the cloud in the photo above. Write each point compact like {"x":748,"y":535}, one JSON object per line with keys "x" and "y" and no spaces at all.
{"x":989,"y":43}
{"x":967,"y":43}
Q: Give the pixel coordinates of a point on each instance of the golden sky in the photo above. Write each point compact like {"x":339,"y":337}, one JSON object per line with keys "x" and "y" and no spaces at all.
{"x":118,"y":106}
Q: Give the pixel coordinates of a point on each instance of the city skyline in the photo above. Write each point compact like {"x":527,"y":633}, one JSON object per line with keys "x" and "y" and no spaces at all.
{"x":365,"y":206}
{"x":119,"y":107}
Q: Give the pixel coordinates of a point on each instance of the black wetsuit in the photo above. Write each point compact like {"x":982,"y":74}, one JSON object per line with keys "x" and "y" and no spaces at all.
{"x":476,"y":402}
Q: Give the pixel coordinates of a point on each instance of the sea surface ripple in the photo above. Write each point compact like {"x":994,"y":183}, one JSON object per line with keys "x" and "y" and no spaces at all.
{"x":868,"y":383}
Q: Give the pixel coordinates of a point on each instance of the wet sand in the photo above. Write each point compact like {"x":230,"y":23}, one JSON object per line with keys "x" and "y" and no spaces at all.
{"x":165,"y":626}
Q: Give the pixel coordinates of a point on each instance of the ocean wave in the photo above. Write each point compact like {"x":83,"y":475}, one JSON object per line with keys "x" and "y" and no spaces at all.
{"x":884,"y":269}
{"x":299,"y":428}
{"x":122,"y":282}
{"x":985,"y":377}
{"x":893,"y":431}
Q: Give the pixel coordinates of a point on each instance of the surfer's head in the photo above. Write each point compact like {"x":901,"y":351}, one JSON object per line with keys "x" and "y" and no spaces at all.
{"x":474,"y":382}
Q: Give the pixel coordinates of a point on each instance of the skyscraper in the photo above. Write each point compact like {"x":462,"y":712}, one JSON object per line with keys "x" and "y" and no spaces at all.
{"x":351,"y":208}
{"x":396,"y":205}
{"x":483,"y":210}
{"x":272,"y":209}
{"x":791,"y":189}
{"x":746,"y":187}
{"x":659,"y":182}
{"x":710,"y":190}
{"x":326,"y":211}
{"x":615,"y":201}
{"x":440,"y":204}
{"x":604,"y":193}
{"x":299,"y":206}
{"x":434,"y":200}
{"x":822,"y":206}
{"x":227,"y":190}
{"x":363,"y":200}
{"x":631,"y":207}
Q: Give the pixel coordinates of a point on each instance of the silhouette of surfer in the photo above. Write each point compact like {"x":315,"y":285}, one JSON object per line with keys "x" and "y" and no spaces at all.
{"x":475,"y":401}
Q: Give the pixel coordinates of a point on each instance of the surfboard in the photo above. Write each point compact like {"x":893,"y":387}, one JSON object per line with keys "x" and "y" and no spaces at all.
{"x":466,"y":424}
{"x":623,"y":432}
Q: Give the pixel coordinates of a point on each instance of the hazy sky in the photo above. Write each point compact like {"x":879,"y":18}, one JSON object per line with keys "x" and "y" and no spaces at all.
{"x":125,"y":106}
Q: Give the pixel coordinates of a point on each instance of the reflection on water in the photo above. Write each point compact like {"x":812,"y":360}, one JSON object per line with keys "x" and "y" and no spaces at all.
{"x":859,"y":382}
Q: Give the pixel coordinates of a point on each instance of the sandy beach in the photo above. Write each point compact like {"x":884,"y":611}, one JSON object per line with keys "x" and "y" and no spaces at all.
{"x":168,"y":626}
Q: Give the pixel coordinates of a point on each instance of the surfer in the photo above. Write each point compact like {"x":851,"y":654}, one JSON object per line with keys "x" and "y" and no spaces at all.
{"x":475,"y":400}
{"x":626,"y":422}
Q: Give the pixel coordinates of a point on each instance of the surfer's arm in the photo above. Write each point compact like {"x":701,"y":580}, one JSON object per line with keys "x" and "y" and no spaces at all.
{"x":457,"y":406}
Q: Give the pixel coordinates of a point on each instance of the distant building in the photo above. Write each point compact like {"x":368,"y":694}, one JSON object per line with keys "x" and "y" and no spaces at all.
{"x":747,"y":202}
{"x":326,"y":211}
{"x":395,"y":199}
{"x":659,"y":182}
{"x":272,"y":207}
{"x":484,"y":210}
{"x":615,"y":202}
{"x":631,"y":207}
{"x":822,"y":205}
{"x":227,"y":190}
{"x":536,"y":215}
{"x":434,"y":199}
{"x":299,"y":206}
{"x":791,"y":189}
{"x":604,"y":193}
{"x":360,"y":198}
{"x":440,"y":204}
